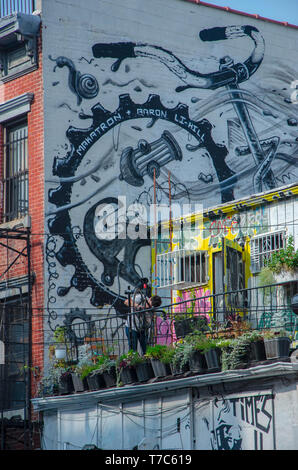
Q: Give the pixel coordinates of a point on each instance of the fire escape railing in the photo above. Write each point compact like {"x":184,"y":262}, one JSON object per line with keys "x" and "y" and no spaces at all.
{"x":261,"y":307}
{"x":15,"y":333}
{"x":8,"y":7}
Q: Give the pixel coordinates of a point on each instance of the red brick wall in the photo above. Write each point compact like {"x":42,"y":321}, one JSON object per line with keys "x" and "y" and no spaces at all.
{"x":31,"y":83}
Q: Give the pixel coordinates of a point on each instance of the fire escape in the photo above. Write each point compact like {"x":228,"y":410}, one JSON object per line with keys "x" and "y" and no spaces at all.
{"x":15,"y":339}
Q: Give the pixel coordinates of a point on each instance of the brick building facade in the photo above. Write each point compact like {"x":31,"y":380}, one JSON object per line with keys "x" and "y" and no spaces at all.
{"x":21,"y":225}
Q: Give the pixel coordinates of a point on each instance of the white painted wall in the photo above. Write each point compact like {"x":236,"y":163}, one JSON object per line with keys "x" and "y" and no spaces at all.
{"x":255,"y":418}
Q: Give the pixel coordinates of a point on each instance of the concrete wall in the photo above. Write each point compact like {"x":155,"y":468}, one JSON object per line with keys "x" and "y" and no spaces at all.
{"x":119,"y":73}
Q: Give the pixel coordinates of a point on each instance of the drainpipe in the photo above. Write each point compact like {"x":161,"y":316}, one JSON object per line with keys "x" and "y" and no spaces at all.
{"x":28,"y":414}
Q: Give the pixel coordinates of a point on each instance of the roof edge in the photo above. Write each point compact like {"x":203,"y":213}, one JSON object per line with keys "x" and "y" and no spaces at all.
{"x":238,"y":12}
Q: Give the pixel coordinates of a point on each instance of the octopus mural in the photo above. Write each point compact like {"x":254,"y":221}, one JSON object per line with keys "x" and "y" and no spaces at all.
{"x":216,"y":139}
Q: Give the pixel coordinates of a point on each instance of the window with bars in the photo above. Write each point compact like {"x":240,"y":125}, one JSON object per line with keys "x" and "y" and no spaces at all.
{"x":262,"y":246}
{"x":15,"y":181}
{"x":182,"y":268}
{"x":14,"y":333}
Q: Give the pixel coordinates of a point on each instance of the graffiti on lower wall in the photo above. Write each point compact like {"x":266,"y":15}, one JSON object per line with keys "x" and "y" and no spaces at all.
{"x":216,"y":147}
{"x":242,"y":423}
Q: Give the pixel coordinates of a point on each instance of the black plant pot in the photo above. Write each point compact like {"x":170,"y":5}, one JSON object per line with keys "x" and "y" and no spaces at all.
{"x":128,"y":375}
{"x":178,"y":369}
{"x":160,"y":369}
{"x":79,"y":384}
{"x":144,"y":371}
{"x":110,"y":377}
{"x":277,"y":347}
{"x":257,"y":351}
{"x":212,"y":358}
{"x":197,"y":362}
{"x":95,"y":381}
{"x":183,"y":328}
{"x":66,"y":384}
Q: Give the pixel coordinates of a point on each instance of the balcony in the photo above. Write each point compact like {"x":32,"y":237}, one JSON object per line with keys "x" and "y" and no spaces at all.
{"x":8,"y":7}
{"x":226,"y":324}
{"x":261,"y":307}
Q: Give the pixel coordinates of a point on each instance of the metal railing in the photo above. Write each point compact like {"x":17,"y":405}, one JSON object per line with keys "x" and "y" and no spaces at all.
{"x":217,"y":314}
{"x":8,"y":7}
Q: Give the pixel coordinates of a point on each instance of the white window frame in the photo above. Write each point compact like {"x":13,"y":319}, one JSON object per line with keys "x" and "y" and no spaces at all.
{"x":182,"y":269}
{"x":262,"y":246}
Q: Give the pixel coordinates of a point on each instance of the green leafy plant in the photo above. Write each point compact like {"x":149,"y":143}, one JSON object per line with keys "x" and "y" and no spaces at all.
{"x":185,"y":348}
{"x":197,"y":340}
{"x":85,"y":364}
{"x":266,"y":278}
{"x":49,"y":382}
{"x":168,"y":355}
{"x":274,"y":333}
{"x":85,"y":370}
{"x":159,"y":351}
{"x":104,"y":363}
{"x":60,"y":334}
{"x":283,"y":259}
{"x":254,"y":335}
{"x":223,"y":343}
{"x":178,"y":357}
{"x":236,"y":354}
{"x":130,"y":359}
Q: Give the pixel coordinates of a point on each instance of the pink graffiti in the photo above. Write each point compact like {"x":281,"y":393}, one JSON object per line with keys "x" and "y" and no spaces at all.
{"x":164,"y":333}
{"x":198,"y":298}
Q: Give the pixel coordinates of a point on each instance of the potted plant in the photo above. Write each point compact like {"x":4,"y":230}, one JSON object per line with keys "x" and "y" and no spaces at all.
{"x":159,"y":359}
{"x":183,"y":326}
{"x":193,"y":347}
{"x":143,"y":368}
{"x":237,"y":354}
{"x":257,"y":347}
{"x":60,"y":342}
{"x":66,"y":383}
{"x":177,"y":363}
{"x":83,"y":368}
{"x":49,"y":383}
{"x":80,"y":376}
{"x":126,"y":367}
{"x":107,"y":369}
{"x":95,"y":379}
{"x":212,"y":353}
{"x":277,"y":344}
{"x":284,"y":262}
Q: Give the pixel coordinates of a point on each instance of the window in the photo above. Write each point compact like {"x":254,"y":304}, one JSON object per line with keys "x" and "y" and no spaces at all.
{"x":182,"y":268}
{"x":14,"y":333}
{"x":262,"y":246}
{"x":18,"y":41}
{"x":15,"y":181}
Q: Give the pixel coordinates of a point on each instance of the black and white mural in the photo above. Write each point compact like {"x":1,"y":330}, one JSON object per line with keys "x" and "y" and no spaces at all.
{"x":239,"y":422}
{"x":130,"y":115}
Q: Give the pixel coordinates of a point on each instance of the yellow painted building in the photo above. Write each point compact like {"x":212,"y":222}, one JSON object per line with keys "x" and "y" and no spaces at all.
{"x":222,"y":250}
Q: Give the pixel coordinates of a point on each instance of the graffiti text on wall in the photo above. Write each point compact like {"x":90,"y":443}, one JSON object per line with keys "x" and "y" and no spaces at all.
{"x":242,"y":423}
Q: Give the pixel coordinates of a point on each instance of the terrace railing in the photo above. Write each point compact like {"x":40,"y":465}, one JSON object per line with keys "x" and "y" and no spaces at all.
{"x":8,"y":7}
{"x":218,"y":314}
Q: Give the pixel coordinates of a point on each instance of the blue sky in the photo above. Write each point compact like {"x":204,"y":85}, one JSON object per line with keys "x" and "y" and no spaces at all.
{"x":279,"y":10}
